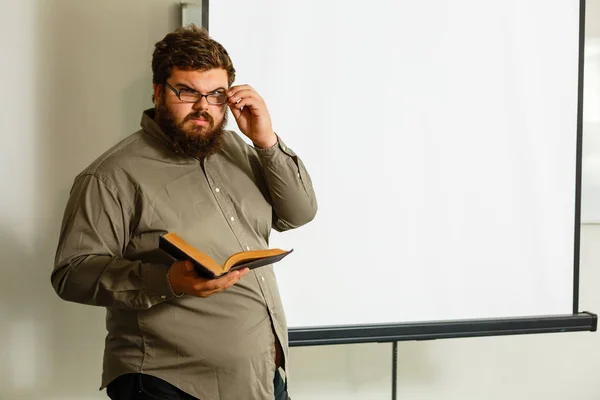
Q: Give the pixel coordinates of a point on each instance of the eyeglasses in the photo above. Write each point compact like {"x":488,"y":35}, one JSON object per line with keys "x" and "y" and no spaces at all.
{"x":191,"y":96}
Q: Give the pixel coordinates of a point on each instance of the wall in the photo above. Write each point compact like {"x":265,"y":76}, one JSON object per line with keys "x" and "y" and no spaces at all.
{"x":77,"y":79}
{"x":76,"y":76}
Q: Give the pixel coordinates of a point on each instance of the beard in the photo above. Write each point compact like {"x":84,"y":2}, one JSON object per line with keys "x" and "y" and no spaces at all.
{"x":198,"y":141}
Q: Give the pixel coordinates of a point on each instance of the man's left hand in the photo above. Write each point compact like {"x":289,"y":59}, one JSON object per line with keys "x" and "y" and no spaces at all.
{"x":252,"y":116}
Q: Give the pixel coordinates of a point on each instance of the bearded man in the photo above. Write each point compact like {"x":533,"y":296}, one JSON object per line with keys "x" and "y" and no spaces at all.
{"x":171,"y":333}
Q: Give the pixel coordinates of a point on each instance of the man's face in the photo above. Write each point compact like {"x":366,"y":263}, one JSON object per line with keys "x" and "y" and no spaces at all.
{"x":196,"y":128}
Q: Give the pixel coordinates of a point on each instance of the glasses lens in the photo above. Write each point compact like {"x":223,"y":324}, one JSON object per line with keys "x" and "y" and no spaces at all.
{"x":189,"y":96}
{"x":220,"y":98}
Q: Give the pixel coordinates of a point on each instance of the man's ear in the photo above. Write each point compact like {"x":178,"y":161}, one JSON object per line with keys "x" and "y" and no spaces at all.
{"x":156,"y":92}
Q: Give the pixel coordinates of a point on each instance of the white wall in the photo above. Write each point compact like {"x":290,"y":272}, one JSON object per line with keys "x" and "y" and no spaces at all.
{"x":77,"y":77}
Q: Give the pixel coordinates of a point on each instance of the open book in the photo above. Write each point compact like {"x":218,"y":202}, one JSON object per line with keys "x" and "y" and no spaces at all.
{"x":207,"y":267}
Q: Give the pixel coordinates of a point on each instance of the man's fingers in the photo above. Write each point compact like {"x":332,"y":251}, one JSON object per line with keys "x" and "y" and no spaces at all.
{"x":255,"y":107}
{"x":238,"y":105}
{"x":216,"y":284}
{"x":208,"y":287}
{"x":224,"y":282}
{"x":243,"y":94}
{"x":233,"y":278}
{"x":244,"y":272}
{"x":236,"y":112}
{"x":236,"y":89}
{"x":188,"y":266}
{"x":245,"y":102}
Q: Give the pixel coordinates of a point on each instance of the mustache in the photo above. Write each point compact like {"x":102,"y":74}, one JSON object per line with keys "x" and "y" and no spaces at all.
{"x":199,"y":114}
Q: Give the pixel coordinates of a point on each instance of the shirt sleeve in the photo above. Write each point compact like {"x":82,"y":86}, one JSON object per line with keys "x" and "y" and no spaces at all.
{"x":290,"y":187}
{"x":89,"y":265}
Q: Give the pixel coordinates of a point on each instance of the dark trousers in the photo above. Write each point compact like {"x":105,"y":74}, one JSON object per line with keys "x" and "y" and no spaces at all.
{"x":146,"y":387}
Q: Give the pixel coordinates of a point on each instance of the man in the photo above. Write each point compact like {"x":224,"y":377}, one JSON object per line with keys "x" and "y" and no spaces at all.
{"x":172,"y":334}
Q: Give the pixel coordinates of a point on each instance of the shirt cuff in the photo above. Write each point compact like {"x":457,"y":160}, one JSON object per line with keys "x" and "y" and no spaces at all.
{"x":156,"y":280}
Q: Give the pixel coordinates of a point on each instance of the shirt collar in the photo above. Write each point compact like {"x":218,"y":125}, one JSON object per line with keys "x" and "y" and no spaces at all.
{"x":151,"y":127}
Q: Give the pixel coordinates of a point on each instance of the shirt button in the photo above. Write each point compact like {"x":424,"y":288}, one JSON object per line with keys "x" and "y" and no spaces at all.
{"x":232,"y":219}
{"x":283,"y":146}
{"x":247,"y":247}
{"x":163,"y":297}
{"x":217,"y":190}
{"x":263,"y":278}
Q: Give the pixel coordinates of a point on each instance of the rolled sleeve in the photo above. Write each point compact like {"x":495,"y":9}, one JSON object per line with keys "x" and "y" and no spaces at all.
{"x":89,"y":265}
{"x":289,"y":185}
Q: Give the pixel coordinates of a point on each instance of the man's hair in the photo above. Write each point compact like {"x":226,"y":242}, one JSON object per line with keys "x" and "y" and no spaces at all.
{"x":189,"y":48}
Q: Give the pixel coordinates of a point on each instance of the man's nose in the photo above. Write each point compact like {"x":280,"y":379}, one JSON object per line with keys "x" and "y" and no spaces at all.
{"x":201,"y":104}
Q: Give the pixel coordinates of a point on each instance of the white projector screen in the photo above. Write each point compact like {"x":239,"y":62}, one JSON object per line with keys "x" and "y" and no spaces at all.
{"x":441,"y":138}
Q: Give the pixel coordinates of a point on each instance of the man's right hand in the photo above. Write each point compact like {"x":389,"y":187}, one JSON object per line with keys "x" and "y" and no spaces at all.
{"x":184,"y":279}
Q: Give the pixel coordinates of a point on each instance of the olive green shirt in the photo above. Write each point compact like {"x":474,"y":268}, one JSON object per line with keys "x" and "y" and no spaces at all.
{"x":219,"y":347}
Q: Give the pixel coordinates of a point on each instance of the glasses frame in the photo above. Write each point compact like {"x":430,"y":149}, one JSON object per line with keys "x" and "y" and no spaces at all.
{"x":200,"y":96}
